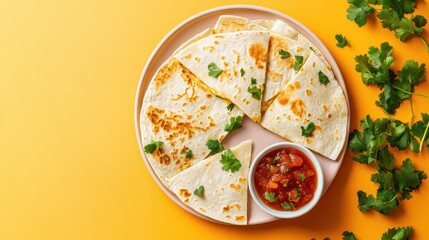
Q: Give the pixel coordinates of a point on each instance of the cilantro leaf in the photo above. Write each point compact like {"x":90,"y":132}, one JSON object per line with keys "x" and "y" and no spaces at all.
{"x":341,"y":41}
{"x":323,"y":79}
{"x":214,"y":146}
{"x":235,"y":123}
{"x":255,"y":91}
{"x":214,"y":70}
{"x":399,"y":135}
{"x":385,"y":201}
{"x":365,"y":202}
{"x":285,"y":205}
{"x":253,"y":80}
{"x":151,"y":147}
{"x":284,"y":54}
{"x":358,"y":11}
{"x":242,"y":72}
{"x":420,"y":129}
{"x":229,"y":161}
{"x":419,"y":21}
{"x":375,"y":68}
{"x":348,"y":235}
{"x":298,"y":62}
{"x":407,"y":178}
{"x":302,"y":176}
{"x":230,"y":107}
{"x":270,"y":196}
{"x":199,"y":191}
{"x":189,"y":154}
{"x":400,"y":233}
{"x":307,"y":131}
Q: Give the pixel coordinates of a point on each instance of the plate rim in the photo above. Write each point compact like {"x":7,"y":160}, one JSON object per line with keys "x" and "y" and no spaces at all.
{"x":314,"y":39}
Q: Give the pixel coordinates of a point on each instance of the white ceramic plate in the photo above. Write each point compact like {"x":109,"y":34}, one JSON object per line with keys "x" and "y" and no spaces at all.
{"x":260,"y":136}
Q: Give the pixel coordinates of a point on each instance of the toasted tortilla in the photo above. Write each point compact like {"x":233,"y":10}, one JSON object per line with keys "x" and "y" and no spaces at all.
{"x":224,"y":197}
{"x":180,"y":112}
{"x":234,"y":53}
{"x":306,"y":100}
{"x":279,"y":70}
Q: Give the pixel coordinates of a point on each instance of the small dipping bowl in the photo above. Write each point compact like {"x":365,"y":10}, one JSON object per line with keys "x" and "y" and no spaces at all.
{"x":281,"y":213}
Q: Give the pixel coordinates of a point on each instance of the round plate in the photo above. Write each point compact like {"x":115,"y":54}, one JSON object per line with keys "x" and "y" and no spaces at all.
{"x":250,"y":130}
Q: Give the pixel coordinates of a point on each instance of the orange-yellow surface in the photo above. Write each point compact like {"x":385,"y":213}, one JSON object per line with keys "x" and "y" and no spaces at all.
{"x":70,"y":167}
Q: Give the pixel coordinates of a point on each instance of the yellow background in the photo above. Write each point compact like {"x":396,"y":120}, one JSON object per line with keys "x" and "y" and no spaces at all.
{"x":70,"y":167}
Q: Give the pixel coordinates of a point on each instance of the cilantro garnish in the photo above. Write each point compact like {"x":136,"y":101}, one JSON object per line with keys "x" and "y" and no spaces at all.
{"x":242,"y":71}
{"x":275,"y":159}
{"x":284,"y":54}
{"x":395,"y":184}
{"x":229,"y":161}
{"x":375,"y":69}
{"x":298,"y":62}
{"x":253,"y":80}
{"x":286,"y":205}
{"x":397,"y":233}
{"x":302,"y":176}
{"x":393,"y":15}
{"x":348,"y":235}
{"x":215,"y":146}
{"x":270,"y":196}
{"x":214,"y":71}
{"x":255,"y":91}
{"x":151,"y":147}
{"x":199,"y":191}
{"x":341,"y":41}
{"x":306,"y":132}
{"x":323,"y":79}
{"x":230,"y":107}
{"x":235,"y":123}
{"x":189,"y":154}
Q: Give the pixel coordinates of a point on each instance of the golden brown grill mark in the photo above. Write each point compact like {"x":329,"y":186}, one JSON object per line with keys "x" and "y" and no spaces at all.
{"x":298,"y":108}
{"x":259,"y":53}
{"x":231,"y":206}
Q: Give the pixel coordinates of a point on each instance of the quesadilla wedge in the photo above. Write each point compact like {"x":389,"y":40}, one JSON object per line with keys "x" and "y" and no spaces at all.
{"x":233,"y":65}
{"x":311,"y":110}
{"x":282,"y":51}
{"x":178,"y":117}
{"x":214,"y":190}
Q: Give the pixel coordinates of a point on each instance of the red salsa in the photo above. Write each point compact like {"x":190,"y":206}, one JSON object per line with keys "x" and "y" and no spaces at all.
{"x":285,"y":179}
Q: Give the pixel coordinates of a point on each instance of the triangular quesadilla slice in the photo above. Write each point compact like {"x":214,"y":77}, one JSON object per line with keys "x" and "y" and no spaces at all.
{"x":285,"y":55}
{"x":233,"y":65}
{"x":217,"y":186}
{"x":311,"y":110}
{"x":178,"y":117}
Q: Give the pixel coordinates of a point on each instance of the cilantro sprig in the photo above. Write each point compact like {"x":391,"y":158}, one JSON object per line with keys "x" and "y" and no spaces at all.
{"x":397,"y":233}
{"x":214,"y":70}
{"x":270,"y":196}
{"x":229,"y":161}
{"x":395,"y":184}
{"x":235,"y":123}
{"x":199,"y":191}
{"x":151,"y":147}
{"x":396,"y":16}
{"x":341,"y":41}
{"x":307,"y":131}
{"x":214,"y":146}
{"x":375,"y":69}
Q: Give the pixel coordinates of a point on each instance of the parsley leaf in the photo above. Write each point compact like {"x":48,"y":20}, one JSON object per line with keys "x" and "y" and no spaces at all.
{"x":235,"y":123}
{"x":189,"y":154}
{"x":230,"y":107}
{"x":323,"y":79}
{"x":229,"y":161}
{"x":242,"y":71}
{"x":214,"y":71}
{"x":306,"y":132}
{"x":151,"y":147}
{"x":255,"y":91}
{"x":341,"y":41}
{"x":199,"y":191}
{"x":270,"y":196}
{"x":348,"y":235}
{"x":400,"y":233}
{"x":215,"y":146}
{"x":358,"y":11}
{"x":284,"y":54}
{"x":298,"y":62}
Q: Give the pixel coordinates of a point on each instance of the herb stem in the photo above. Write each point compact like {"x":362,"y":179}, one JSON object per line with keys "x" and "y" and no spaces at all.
{"x":423,"y":137}
{"x":405,"y":91}
{"x":412,"y":110}
{"x":391,"y":200}
{"x":425,"y":43}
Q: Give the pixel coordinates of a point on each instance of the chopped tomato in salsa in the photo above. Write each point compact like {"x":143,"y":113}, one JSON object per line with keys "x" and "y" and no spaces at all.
{"x":285,"y":179}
